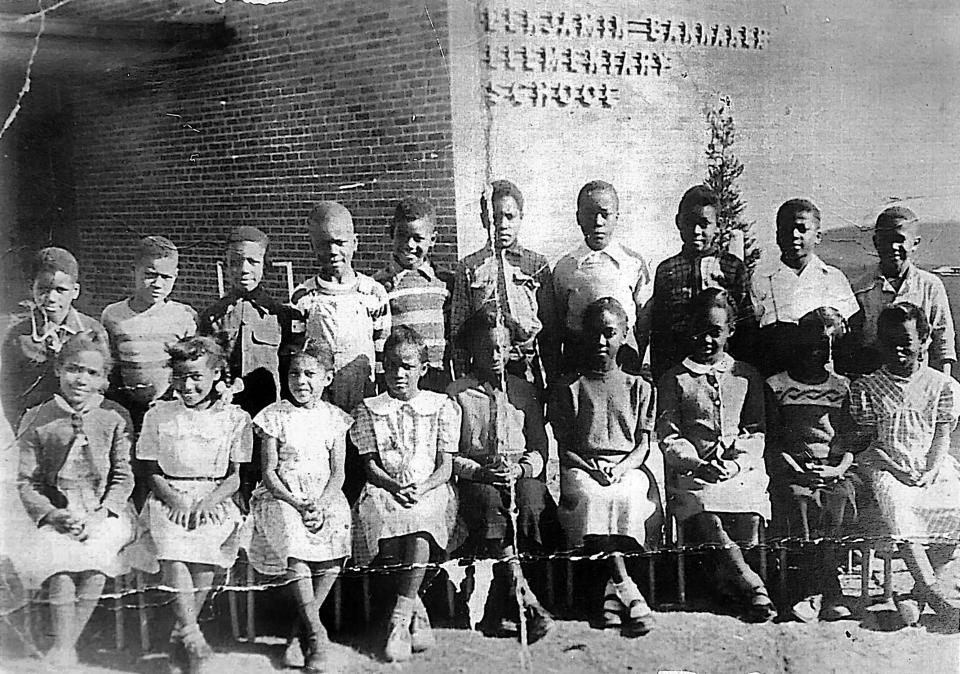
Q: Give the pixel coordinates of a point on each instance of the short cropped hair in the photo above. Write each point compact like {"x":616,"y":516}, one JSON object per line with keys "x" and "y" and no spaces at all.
{"x":712,"y":298}
{"x":604,"y":305}
{"x":792,"y":207}
{"x":53,"y":259}
{"x":596,"y":186}
{"x":698,"y":196}
{"x":193,"y":348}
{"x":902,"y":313}
{"x":245,"y":233}
{"x":894,"y":217}
{"x":413,"y":208}
{"x":156,"y":247}
{"x":503,"y":189}
{"x":404,"y":335}
{"x":83,"y":342}
{"x":317,"y":349}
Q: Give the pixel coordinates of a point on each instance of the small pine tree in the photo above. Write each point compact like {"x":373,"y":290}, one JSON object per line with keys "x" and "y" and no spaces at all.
{"x":723,"y":171}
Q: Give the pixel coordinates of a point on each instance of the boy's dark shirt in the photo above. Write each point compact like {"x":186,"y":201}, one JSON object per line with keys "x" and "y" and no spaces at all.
{"x":27,"y":363}
{"x":677,"y":281}
{"x":256,"y":333}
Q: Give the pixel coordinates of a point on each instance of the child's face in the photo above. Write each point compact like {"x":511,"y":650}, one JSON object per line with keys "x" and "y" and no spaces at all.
{"x":605,"y":334}
{"x":402,"y":370}
{"x":698,"y":227}
{"x":710,"y":335}
{"x":307,"y":379}
{"x":894,"y":246}
{"x":245,"y":265}
{"x":490,"y":350}
{"x":194,"y":379}
{"x":813,"y":349}
{"x":82,"y":375}
{"x":901,"y":348}
{"x":334,"y":242}
{"x":54,"y":293}
{"x":412,"y":242}
{"x":153,"y":279}
{"x":597,"y":215}
{"x":797,"y":236}
{"x":507,"y":217}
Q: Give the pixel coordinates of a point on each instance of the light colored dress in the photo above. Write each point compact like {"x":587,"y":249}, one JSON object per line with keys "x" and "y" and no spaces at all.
{"x":901,"y":414}
{"x":305,"y":437}
{"x":701,"y":408}
{"x":406,"y":435}
{"x":602,"y":417}
{"x":194,"y":449}
{"x":78,"y":461}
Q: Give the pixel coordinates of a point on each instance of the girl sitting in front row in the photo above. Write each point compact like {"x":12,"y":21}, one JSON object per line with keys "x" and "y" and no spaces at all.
{"x":905,"y":412}
{"x":75,"y":481}
{"x":711,"y":426}
{"x":608,"y":503}
{"x":301,"y":517}
{"x":189,"y":523}
{"x":408,"y":507}
{"x":810,"y":455}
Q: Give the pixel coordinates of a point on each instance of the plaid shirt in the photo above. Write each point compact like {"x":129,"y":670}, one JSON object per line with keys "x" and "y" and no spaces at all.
{"x":678,"y":280}
{"x":529,"y":306}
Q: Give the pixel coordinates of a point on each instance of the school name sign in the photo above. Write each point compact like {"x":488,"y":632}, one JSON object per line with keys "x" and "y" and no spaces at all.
{"x":559,"y":58}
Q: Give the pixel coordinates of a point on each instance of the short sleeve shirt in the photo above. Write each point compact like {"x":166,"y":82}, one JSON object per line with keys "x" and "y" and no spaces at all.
{"x":195,"y":443}
{"x":586,"y":275}
{"x":781,"y":295}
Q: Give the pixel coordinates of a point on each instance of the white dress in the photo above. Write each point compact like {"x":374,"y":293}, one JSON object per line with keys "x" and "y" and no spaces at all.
{"x":305,"y":439}
{"x":194,"y":449}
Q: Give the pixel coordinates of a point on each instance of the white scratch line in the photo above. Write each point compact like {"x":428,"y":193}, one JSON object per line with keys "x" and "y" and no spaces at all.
{"x":437,"y":36}
{"x":26,"y":78}
{"x":29,"y":17}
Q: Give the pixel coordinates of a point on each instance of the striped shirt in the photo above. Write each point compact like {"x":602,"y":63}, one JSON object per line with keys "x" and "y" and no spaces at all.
{"x":419,"y":299}
{"x":353,"y":318}
{"x":137,"y":340}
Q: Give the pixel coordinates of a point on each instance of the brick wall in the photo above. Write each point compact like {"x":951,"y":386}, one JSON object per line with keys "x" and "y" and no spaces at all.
{"x":345,"y":100}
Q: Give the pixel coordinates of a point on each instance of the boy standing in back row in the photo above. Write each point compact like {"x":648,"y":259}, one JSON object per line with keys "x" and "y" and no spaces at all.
{"x":419,"y":294}
{"x":601,"y":267}
{"x":799,"y":283}
{"x":30,"y":347}
{"x":522,"y":292}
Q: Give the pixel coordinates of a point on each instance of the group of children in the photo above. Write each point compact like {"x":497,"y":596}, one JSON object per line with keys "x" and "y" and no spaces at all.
{"x":400,"y":417}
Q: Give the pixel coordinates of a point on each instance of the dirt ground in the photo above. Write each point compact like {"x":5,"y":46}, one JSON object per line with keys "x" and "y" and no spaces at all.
{"x":683,"y":641}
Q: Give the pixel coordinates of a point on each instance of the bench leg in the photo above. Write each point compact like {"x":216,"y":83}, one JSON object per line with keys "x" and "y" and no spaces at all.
{"x":142,"y":612}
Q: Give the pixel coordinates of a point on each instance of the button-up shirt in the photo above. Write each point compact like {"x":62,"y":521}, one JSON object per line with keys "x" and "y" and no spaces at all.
{"x":499,"y":425}
{"x":874,"y":292}
{"x":702,"y":406}
{"x":781,"y":295}
{"x":29,"y":352}
{"x":524,"y":293}
{"x":419,"y":298}
{"x":255,"y":328}
{"x":585,"y":275}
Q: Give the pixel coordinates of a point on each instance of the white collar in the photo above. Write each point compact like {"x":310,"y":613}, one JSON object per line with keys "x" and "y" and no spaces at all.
{"x":813,"y":266}
{"x":724,"y":364}
{"x":424,"y":403}
{"x":93,"y":403}
{"x":614,"y":251}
